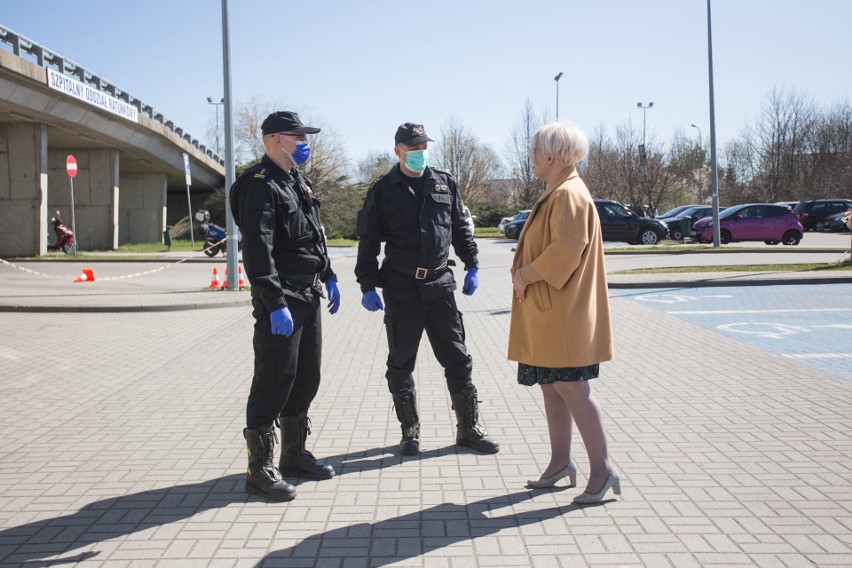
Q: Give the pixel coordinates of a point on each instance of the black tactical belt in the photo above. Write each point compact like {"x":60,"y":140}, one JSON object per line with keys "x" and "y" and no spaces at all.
{"x":311,"y":279}
{"x":426,"y":273}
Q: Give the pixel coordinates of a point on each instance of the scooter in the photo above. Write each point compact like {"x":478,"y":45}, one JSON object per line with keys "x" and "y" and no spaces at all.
{"x":212,"y":234}
{"x":64,"y":236}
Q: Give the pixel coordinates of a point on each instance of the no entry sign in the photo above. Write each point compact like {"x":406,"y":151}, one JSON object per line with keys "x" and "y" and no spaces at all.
{"x":71,"y":166}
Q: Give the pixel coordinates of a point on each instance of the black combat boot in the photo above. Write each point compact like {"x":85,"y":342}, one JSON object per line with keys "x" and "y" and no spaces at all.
{"x":295,"y":459}
{"x":406,"y":412}
{"x":262,"y":477}
{"x":469,"y":432}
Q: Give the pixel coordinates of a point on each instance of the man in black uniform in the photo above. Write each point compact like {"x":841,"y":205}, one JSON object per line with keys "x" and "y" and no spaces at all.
{"x":286,"y":259}
{"x":417,"y":212}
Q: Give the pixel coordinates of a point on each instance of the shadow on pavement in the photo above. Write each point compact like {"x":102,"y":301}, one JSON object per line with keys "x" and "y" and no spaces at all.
{"x":379,"y":458}
{"x":33,"y":543}
{"x":408,"y":536}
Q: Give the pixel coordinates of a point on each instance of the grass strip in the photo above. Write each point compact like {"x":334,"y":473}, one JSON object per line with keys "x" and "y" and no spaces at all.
{"x":742,"y":268}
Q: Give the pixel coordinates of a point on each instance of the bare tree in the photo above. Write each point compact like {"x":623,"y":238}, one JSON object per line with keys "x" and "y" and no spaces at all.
{"x":527,"y":187}
{"x":374,"y":166}
{"x":248,"y":117}
{"x":828,"y":170}
{"x":735,"y":173}
{"x":629,"y":176}
{"x":328,"y":165}
{"x":600,"y":169}
{"x":777,"y":140}
{"x":686,"y":163}
{"x":472,"y":163}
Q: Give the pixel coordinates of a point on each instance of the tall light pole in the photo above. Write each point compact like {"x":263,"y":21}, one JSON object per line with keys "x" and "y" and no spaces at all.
{"x":231,"y":226}
{"x":212,"y":102}
{"x":717,"y":236}
{"x":700,"y":171}
{"x":644,"y":112}
{"x":643,"y":160}
{"x":557,"y":93}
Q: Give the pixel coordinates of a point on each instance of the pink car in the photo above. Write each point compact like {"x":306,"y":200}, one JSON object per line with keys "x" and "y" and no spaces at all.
{"x":765,"y":222}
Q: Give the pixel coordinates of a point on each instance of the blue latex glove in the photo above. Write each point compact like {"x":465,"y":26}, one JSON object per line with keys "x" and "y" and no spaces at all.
{"x":372,"y":301}
{"x":282,"y":322}
{"x":333,"y":296}
{"x":471,"y":282}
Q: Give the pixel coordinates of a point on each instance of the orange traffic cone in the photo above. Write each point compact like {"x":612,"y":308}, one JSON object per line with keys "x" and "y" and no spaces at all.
{"x":225,"y":285}
{"x":86,"y":276}
{"x":214,"y":282}
{"x":241,"y":282}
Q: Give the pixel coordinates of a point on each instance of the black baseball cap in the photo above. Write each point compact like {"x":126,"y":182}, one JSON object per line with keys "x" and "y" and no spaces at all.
{"x":411,"y":134}
{"x":285,"y":121}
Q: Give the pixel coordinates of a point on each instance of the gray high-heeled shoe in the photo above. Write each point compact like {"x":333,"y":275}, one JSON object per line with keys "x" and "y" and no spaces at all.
{"x":569,"y":471}
{"x":612,"y":480}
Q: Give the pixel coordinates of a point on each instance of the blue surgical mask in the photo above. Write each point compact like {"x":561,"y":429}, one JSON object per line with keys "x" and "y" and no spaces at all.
{"x":416,"y":160}
{"x":302,"y":153}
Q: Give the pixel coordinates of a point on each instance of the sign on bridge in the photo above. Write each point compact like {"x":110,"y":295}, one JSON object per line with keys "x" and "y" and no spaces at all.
{"x":88,"y":94}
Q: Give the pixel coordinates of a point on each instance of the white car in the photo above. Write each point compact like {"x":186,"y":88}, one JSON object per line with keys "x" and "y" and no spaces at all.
{"x":469,"y":218}
{"x":501,"y":226}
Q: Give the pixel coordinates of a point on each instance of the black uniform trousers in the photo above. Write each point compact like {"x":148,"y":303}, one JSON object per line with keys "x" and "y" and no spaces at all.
{"x":405,"y":322}
{"x":286,"y":369}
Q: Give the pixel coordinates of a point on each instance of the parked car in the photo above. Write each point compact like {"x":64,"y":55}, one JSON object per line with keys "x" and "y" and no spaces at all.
{"x":469,"y":217}
{"x":501,"y":226}
{"x":765,"y":222}
{"x":674,"y":211}
{"x":620,"y":224}
{"x":680,"y":225}
{"x":835,"y":222}
{"x":513,"y":229}
{"x":790,"y":204}
{"x":641,"y":210}
{"x":814,"y":214}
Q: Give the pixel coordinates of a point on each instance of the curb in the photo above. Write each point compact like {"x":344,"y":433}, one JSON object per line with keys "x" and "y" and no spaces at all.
{"x":735,"y":250}
{"x":725,"y":283}
{"x":125,"y":309}
{"x":714,"y":283}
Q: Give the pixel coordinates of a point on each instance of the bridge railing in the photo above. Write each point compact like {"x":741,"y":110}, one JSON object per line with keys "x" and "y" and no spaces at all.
{"x":44,"y":57}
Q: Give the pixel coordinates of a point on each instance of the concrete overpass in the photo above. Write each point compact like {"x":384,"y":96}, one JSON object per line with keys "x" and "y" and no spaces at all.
{"x":129,"y":155}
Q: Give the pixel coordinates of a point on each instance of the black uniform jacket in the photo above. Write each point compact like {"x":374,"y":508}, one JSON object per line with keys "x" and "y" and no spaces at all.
{"x":283,"y":240}
{"x":417,"y":235}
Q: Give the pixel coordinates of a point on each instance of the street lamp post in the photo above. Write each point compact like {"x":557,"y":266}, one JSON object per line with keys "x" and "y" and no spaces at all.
{"x":557,"y":93}
{"x":643,"y":160}
{"x":644,"y":112}
{"x":701,"y":170}
{"x":212,"y":102}
{"x":714,"y":178}
{"x":231,"y":225}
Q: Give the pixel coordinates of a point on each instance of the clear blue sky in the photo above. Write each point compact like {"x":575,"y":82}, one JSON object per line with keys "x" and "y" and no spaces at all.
{"x":366,"y":66}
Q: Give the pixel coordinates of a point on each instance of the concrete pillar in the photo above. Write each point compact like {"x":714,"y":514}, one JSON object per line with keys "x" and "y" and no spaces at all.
{"x":142,"y":211}
{"x":96,"y":195}
{"x":23,"y":189}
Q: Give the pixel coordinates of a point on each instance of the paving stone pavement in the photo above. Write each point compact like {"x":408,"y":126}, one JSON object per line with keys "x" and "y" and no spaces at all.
{"x":122,"y":446}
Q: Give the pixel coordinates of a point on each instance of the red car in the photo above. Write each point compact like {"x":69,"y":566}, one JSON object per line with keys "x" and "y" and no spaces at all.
{"x":765,"y":222}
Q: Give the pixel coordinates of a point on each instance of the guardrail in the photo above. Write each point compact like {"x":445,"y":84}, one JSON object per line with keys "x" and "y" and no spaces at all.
{"x":44,"y":57}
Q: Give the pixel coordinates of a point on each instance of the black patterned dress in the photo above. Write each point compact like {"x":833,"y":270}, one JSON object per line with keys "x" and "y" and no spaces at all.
{"x":531,"y":375}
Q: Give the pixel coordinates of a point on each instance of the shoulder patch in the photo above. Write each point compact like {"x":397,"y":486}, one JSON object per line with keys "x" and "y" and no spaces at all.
{"x":261,"y":174}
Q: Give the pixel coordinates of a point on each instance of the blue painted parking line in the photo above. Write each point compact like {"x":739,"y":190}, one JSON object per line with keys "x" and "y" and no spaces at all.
{"x":809,"y":324}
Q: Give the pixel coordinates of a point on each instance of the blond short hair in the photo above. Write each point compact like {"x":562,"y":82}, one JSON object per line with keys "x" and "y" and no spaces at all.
{"x":561,"y":140}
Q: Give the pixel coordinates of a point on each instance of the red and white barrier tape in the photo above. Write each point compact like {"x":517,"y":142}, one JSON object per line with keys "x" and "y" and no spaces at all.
{"x":110,"y":278}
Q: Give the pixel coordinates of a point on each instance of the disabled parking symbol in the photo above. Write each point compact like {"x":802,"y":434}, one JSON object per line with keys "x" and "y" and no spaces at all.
{"x":677,"y":298}
{"x":769,"y":330}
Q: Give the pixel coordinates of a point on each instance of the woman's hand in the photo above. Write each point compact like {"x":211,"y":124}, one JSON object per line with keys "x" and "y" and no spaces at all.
{"x":519,"y":286}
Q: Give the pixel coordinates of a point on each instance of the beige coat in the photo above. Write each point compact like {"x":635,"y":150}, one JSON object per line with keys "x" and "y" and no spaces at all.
{"x":564,"y":320}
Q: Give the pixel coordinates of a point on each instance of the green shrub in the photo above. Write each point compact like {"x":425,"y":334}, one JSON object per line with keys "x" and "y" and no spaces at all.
{"x":489,"y":214}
